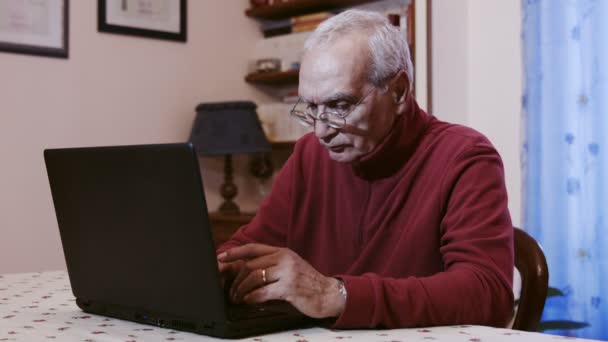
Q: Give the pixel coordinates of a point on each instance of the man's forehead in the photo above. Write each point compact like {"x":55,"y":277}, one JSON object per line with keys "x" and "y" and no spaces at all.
{"x":334,"y":69}
{"x":335,"y":96}
{"x":331,"y":88}
{"x":337,"y":59}
{"x":320,"y":86}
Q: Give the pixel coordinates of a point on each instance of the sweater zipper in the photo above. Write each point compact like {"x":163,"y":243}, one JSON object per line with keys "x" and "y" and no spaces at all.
{"x":359,"y":242}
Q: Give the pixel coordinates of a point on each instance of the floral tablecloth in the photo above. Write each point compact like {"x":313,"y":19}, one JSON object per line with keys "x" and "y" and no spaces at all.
{"x":41,"y":307}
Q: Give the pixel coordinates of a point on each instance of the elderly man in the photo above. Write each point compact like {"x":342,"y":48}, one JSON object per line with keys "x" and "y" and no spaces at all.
{"x":386,"y":216}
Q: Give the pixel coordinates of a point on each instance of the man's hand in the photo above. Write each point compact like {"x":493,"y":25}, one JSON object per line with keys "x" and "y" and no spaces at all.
{"x":229,"y":270}
{"x":269,"y":273}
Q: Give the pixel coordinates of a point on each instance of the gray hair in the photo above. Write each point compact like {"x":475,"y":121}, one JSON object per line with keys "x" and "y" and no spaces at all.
{"x":388,"y":49}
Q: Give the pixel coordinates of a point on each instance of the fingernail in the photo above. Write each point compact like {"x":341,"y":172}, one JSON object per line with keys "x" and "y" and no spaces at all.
{"x":221,"y":256}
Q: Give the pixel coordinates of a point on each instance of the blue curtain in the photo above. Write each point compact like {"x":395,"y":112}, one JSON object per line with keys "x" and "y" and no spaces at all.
{"x":565,"y":155}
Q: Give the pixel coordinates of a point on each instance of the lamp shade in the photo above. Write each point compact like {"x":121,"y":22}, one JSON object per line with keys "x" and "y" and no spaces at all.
{"x":222,"y":128}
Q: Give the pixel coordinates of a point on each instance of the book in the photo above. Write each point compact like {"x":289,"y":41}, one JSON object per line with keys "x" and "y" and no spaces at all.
{"x":277,"y":32}
{"x":274,"y":24}
{"x":272,"y":28}
{"x":305,"y":27}
{"x":308,"y":18}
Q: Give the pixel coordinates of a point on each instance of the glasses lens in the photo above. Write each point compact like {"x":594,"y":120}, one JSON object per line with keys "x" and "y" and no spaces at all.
{"x":303,"y":118}
{"x":307,"y":115}
{"x":332,"y":120}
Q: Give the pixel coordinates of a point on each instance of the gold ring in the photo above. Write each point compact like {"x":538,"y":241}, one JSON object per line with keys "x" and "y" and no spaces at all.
{"x":264,"y":275}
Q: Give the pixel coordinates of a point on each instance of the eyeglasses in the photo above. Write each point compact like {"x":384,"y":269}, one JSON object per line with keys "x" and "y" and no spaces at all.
{"x":333,"y":116}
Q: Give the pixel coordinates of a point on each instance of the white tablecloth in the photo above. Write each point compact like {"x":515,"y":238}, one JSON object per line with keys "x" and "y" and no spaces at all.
{"x":41,"y":307}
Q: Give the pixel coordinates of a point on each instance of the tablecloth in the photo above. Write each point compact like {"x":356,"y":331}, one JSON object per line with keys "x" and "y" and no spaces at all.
{"x":41,"y":307}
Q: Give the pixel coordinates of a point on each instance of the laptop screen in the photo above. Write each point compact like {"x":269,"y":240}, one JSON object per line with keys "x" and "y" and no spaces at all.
{"x":134,"y":228}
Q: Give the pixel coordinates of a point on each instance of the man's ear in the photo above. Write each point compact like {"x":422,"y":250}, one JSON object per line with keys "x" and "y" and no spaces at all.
{"x":400,"y":87}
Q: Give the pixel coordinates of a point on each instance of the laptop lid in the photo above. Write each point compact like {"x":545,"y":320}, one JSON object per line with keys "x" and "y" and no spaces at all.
{"x":134,"y":228}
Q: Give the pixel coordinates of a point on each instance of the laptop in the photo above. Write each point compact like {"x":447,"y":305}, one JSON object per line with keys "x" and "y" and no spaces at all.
{"x":138,"y":245}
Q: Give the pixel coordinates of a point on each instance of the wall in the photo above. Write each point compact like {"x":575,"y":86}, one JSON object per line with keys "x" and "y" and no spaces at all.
{"x":450,"y":54}
{"x":478,"y":76}
{"x":112,"y":90}
{"x":126,"y":90}
{"x":495,"y":84}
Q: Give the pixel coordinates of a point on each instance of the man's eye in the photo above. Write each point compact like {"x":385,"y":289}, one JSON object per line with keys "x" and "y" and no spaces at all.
{"x":343,"y":106}
{"x":312,"y":107}
{"x":339,"y":107}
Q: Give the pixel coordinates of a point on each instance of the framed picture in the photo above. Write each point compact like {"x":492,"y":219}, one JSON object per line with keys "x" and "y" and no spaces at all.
{"x":34,"y":27}
{"x":161,"y":19}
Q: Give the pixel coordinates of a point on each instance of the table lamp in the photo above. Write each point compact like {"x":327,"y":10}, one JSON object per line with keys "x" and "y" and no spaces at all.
{"x":227,"y":128}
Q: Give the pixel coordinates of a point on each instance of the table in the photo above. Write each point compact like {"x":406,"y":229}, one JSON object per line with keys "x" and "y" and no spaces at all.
{"x":41,"y":307}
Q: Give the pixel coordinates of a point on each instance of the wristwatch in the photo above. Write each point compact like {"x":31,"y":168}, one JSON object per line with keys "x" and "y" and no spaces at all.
{"x":342,"y":289}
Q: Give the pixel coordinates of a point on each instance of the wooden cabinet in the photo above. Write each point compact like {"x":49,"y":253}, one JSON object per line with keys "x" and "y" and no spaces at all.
{"x":276,"y":78}
{"x":299,"y":7}
{"x":223,"y":226}
{"x":291,"y":8}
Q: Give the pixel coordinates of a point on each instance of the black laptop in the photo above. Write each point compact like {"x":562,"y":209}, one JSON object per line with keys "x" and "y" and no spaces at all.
{"x":138,"y":245}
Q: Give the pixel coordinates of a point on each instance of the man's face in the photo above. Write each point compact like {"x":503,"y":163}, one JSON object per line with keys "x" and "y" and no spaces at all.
{"x":335,"y":76}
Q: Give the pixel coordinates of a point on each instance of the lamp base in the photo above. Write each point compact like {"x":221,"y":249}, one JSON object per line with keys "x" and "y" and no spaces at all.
{"x":229,"y":208}
{"x":228,"y":189}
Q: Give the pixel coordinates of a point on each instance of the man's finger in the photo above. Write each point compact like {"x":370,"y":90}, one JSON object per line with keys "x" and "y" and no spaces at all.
{"x":248,"y":251}
{"x":241,"y":275}
{"x":254,"y":265}
{"x":223,"y":267}
{"x":227,"y":271}
{"x":263,"y":294}
{"x":256,"y":279}
{"x":264,"y":261}
{"x":228,"y":268}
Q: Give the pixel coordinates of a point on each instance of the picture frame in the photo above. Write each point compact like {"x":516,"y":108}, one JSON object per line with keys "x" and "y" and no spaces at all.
{"x":159,"y":19}
{"x":39,"y":28}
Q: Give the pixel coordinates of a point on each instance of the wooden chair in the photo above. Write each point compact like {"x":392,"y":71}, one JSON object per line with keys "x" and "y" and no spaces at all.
{"x":531,"y":263}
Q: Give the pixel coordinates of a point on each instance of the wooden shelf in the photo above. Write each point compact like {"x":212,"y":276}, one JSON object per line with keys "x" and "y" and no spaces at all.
{"x":274,"y":78}
{"x":282,"y":145}
{"x":242,"y":218}
{"x":299,"y":7}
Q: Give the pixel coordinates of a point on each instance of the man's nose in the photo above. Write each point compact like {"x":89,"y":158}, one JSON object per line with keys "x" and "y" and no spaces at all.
{"x":323,"y":131}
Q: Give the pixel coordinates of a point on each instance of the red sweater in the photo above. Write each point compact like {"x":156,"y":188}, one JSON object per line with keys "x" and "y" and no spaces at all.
{"x":419,"y":231}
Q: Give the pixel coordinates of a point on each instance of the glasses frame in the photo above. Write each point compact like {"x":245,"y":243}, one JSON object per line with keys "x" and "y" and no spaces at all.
{"x":325,"y":114}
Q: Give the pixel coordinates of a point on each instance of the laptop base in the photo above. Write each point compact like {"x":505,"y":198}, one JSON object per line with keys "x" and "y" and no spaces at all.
{"x":227,"y":329}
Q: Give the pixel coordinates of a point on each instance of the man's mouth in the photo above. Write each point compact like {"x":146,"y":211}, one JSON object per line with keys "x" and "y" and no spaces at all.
{"x":337,"y":148}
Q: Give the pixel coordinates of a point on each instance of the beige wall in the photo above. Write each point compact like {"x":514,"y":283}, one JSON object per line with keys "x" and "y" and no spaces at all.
{"x":478,"y":76}
{"x":495,"y":84}
{"x":112,"y":90}
{"x":127,"y":90}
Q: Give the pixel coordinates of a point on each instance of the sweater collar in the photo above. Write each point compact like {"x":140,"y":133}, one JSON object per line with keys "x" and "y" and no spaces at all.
{"x":397,"y":147}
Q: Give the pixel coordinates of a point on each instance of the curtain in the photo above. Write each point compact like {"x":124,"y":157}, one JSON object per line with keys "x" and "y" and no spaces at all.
{"x":565,"y":156}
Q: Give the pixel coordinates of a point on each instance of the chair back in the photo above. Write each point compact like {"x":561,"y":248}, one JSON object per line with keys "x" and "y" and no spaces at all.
{"x":531,"y":263}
